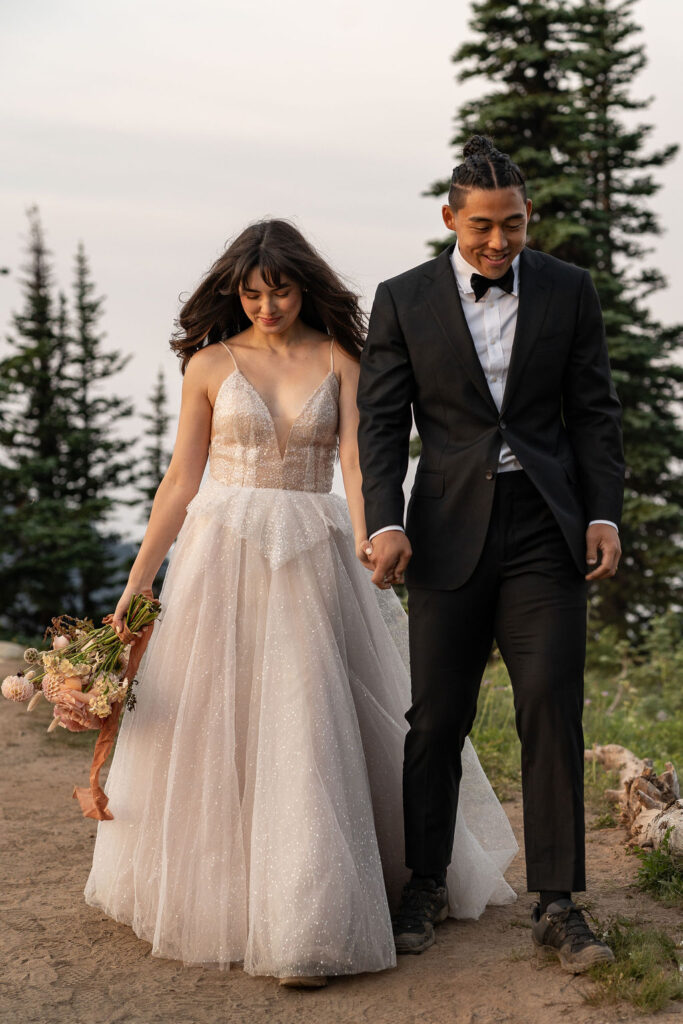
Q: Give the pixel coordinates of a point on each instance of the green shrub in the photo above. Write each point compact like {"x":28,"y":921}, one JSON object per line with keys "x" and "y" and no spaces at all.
{"x":660,"y":874}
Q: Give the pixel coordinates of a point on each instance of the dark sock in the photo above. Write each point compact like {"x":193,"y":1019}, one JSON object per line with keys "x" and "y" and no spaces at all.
{"x":548,"y":896}
{"x":439,"y":880}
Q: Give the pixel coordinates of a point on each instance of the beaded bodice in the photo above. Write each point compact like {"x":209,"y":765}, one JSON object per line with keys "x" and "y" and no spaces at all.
{"x":244,"y":450}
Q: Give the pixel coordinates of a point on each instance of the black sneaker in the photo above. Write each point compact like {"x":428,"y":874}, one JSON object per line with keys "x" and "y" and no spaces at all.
{"x":563,"y":930}
{"x":424,"y":903}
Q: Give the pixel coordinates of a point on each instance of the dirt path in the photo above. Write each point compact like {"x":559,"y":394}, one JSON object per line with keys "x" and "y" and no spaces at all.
{"x":64,"y":961}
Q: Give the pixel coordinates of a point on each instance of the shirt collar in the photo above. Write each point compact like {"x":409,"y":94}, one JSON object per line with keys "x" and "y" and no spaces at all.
{"x":463,"y":272}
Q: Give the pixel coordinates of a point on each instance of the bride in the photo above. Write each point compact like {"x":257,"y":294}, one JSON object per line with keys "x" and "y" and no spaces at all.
{"x":256,"y":788}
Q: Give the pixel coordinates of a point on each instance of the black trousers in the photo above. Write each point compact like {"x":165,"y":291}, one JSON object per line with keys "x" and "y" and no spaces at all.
{"x":527,"y":594}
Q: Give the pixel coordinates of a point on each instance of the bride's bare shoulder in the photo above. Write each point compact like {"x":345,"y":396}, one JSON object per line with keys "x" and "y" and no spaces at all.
{"x":344,"y":363}
{"x":207,"y":368}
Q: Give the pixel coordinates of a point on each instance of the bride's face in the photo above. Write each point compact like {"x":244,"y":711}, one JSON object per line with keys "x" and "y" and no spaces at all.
{"x":272,"y":310}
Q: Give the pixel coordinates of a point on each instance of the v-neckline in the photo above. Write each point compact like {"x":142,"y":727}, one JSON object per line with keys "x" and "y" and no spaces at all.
{"x":282,"y":452}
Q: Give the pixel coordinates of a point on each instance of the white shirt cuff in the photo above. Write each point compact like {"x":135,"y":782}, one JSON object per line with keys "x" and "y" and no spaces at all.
{"x":385,"y":529}
{"x":607,"y":522}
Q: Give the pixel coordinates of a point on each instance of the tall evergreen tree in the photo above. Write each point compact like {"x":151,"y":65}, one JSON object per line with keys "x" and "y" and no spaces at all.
{"x":100,"y":461}
{"x":157,"y":454}
{"x":36,"y":578}
{"x":618,"y":173}
{"x":563,"y":73}
{"x":521,"y":46}
{"x":156,"y":457}
{"x":62,"y":465}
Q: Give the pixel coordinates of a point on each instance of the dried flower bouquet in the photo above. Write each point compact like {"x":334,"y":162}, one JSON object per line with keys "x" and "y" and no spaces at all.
{"x":88,"y":675}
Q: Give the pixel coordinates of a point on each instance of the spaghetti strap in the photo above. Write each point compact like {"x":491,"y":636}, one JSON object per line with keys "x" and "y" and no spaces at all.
{"x":229,"y":351}
{"x":332,"y":356}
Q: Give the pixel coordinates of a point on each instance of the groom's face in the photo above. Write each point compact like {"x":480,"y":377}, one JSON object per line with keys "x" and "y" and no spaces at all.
{"x":491,"y":227}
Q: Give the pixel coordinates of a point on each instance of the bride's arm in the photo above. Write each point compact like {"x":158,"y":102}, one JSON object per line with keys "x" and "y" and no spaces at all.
{"x":348,"y":448}
{"x":179,"y":485}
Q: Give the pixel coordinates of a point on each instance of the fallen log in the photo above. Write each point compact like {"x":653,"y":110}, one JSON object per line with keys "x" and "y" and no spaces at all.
{"x":651,"y":804}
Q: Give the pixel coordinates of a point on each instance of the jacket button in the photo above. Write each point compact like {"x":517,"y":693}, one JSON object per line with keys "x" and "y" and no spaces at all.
{"x":489,"y":474}
{"x":502,"y":424}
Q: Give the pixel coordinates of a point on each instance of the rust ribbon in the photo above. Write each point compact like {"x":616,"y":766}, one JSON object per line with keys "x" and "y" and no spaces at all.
{"x":93,"y":800}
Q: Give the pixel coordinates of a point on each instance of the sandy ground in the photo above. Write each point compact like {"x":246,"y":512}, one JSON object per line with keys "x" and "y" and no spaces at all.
{"x":64,"y":961}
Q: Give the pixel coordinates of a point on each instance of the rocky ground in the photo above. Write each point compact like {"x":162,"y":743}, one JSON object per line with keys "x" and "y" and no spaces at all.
{"x":64,"y":961}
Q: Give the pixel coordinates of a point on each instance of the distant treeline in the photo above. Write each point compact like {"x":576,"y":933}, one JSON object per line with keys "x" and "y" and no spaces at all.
{"x":65,"y":462}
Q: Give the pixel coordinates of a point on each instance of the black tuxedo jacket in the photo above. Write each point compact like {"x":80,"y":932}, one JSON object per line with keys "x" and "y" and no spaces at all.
{"x":560,"y":414}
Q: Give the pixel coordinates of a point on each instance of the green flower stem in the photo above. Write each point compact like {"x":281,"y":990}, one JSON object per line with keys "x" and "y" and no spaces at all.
{"x":105,"y":641}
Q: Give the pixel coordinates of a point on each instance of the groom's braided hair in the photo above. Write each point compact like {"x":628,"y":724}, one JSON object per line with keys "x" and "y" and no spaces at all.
{"x":484,"y":167}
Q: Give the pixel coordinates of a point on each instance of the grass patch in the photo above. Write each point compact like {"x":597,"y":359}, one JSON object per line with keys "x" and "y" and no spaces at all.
{"x":646,"y":971}
{"x":660,"y":874}
{"x":632,"y":697}
{"x":605,"y":820}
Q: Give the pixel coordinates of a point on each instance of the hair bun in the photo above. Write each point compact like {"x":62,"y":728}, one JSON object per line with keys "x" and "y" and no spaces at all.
{"x":479,"y":145}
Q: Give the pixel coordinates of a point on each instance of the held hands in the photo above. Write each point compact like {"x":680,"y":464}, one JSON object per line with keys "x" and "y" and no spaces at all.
{"x":603,"y":551}
{"x":386,"y":557}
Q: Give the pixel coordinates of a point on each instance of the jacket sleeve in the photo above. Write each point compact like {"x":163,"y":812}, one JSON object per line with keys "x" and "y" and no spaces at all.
{"x":385,"y":394}
{"x":592,"y":413}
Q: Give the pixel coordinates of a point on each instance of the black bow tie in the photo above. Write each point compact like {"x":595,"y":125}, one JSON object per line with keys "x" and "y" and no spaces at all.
{"x":480,"y":284}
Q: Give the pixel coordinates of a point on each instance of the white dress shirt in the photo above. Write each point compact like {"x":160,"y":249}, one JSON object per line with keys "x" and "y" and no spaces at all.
{"x":492,"y":322}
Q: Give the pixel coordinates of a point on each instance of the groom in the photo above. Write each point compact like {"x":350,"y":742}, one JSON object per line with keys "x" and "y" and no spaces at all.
{"x":499,"y":353}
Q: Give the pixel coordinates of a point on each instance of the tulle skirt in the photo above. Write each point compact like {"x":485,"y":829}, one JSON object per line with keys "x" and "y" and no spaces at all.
{"x":256,"y":787}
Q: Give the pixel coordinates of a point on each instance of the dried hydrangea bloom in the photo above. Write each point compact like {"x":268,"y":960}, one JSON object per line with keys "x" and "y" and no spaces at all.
{"x":106,"y":691}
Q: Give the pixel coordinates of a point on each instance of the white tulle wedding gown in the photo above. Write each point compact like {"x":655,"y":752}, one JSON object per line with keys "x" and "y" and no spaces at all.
{"x":256,"y":787}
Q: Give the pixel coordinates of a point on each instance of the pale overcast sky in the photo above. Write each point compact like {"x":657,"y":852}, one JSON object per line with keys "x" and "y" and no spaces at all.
{"x":154,"y":131}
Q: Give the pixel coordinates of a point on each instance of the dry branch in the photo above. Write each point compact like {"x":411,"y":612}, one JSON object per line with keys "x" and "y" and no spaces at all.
{"x":651,"y":804}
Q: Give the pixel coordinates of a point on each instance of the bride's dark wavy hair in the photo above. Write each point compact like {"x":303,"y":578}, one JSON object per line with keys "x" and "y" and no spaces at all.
{"x":214,"y":312}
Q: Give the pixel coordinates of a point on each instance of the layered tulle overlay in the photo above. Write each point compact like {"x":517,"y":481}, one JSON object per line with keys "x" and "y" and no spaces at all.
{"x":256,"y":787}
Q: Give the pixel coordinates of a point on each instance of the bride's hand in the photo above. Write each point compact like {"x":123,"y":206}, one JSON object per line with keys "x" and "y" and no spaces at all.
{"x":123,"y":603}
{"x":364,"y":551}
{"x":140,"y":644}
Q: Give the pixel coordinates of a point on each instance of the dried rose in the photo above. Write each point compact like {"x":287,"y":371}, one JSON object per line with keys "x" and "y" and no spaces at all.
{"x":17,"y":688}
{"x":59,"y":643}
{"x":72,"y":711}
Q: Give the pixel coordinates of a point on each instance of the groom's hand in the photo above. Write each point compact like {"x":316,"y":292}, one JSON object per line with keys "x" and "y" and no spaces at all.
{"x":603,"y":551}
{"x":391,"y":552}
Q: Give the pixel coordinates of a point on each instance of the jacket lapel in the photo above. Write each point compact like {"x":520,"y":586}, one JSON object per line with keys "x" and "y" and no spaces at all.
{"x":443,"y":300}
{"x":534,"y":294}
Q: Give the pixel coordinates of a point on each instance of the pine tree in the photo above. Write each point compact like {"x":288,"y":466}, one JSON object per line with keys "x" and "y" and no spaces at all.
{"x":100,"y":462}
{"x":62,"y":465}
{"x":156,"y":457}
{"x":619,"y":182}
{"x":156,"y":454}
{"x":522,"y":47}
{"x":564,"y":73}
{"x":36,"y":577}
